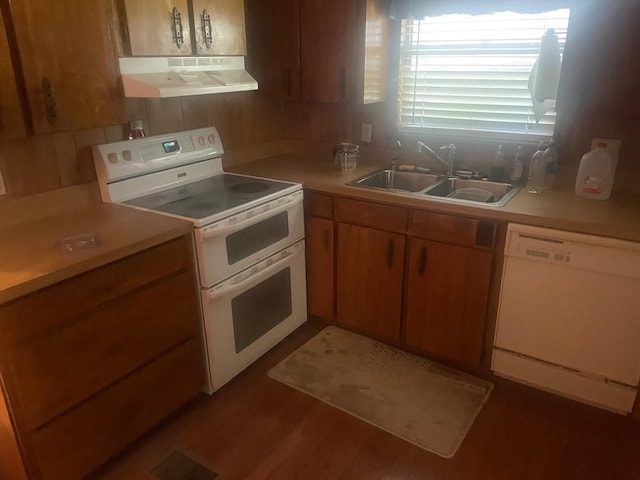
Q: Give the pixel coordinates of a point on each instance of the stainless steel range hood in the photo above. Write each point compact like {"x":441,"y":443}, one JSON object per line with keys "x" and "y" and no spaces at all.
{"x":154,"y":77}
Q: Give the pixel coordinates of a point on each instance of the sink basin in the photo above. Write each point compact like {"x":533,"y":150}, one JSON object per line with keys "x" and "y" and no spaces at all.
{"x":476,"y":191}
{"x":388,"y":179}
{"x":456,"y":189}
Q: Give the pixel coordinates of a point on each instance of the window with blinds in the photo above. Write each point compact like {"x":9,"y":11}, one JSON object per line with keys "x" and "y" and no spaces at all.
{"x":469,"y":74}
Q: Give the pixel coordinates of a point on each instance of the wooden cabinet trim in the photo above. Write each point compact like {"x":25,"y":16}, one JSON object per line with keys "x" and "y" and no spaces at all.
{"x":90,"y":290}
{"x":320,"y":257}
{"x":455,"y":229}
{"x":374,"y":215}
{"x":319,"y":204}
{"x":100,"y":427}
{"x":104,"y":346}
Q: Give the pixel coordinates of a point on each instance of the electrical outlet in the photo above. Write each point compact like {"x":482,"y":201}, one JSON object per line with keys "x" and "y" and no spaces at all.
{"x":613,"y":145}
{"x":3,"y":191}
{"x":367,"y":130}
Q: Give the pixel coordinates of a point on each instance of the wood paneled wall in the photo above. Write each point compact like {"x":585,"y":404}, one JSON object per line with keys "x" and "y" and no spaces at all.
{"x":599,"y":94}
{"x":599,"y":97}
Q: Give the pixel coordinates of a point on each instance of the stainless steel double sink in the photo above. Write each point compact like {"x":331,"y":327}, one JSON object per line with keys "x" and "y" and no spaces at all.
{"x":439,"y":186}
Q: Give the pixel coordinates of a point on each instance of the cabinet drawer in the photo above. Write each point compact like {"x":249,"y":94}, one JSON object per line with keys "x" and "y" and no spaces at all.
{"x":452,"y":229}
{"x":57,"y":370}
{"x":318,"y":204}
{"x":84,"y":438}
{"x":81,"y":294}
{"x":375,"y":215}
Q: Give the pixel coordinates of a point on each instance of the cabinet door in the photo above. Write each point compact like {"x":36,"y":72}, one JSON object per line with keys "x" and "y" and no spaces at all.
{"x":68,"y":51}
{"x":152,"y":27}
{"x":369,"y":285}
{"x":225,"y":24}
{"x":447,"y":291}
{"x":328,"y":43}
{"x":320,"y":267}
{"x":11,"y":121}
{"x":274,"y":58}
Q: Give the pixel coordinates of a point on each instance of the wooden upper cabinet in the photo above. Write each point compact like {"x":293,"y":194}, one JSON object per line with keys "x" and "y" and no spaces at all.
{"x":226,"y":23}
{"x":273,"y":47}
{"x":328,"y":44}
{"x":153,"y":27}
{"x":11,"y":120}
{"x":343,"y":50}
{"x":68,"y":50}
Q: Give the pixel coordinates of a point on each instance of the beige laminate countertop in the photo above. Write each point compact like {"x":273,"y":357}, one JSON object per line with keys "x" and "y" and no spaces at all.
{"x":30,"y":259}
{"x":618,"y":217}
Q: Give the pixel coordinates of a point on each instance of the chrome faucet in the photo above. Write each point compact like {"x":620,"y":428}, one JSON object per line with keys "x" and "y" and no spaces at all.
{"x":451,"y":155}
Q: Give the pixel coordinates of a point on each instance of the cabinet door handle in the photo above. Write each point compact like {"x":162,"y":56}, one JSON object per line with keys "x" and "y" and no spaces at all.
{"x":207,"y":33}
{"x":390,"y":253}
{"x":422,"y":263}
{"x":50,"y":108}
{"x":326,"y":240}
{"x":343,"y":83}
{"x":289,"y":85}
{"x":177,"y":27}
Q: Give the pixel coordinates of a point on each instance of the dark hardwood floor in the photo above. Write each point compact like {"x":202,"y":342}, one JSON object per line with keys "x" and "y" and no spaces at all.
{"x":256,"y":428}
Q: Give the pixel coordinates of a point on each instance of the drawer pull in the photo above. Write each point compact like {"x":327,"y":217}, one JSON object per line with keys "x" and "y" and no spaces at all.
{"x":422,"y":264}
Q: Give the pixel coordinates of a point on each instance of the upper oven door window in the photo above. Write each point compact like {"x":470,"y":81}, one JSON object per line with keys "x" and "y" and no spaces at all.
{"x":256,"y":237}
{"x":235,"y":243}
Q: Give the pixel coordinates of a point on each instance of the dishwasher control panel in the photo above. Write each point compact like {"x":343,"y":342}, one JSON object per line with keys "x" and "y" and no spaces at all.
{"x":576,"y":250}
{"x":541,"y":248}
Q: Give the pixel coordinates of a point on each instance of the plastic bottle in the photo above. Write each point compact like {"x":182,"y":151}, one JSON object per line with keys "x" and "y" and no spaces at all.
{"x":517,"y":167}
{"x":550,"y":162}
{"x":536,"y":170}
{"x":136,"y":129}
{"x":596,"y":173}
{"x":497,"y":173}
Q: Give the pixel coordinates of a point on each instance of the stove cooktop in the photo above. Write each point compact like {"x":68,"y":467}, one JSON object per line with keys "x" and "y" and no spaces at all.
{"x":211,"y":196}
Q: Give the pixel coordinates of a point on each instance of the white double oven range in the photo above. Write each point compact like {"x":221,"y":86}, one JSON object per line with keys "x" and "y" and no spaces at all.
{"x":249,"y":238}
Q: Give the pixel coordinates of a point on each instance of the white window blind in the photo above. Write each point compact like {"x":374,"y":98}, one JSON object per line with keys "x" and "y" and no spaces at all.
{"x":470,"y":73}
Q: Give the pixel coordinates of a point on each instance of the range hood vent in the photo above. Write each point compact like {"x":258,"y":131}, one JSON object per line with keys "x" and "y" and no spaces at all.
{"x":156,"y":77}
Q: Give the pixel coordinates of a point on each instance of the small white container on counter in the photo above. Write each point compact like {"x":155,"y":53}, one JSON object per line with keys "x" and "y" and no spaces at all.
{"x":596,"y":173}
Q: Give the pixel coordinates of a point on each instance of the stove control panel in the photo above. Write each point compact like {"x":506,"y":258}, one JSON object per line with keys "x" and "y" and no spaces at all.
{"x":130,"y":158}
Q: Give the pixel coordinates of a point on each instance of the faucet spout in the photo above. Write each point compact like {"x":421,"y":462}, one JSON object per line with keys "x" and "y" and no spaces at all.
{"x":451,"y":153}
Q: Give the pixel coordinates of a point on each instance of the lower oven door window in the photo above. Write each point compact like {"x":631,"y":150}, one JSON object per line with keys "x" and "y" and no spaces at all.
{"x":261,"y":308}
{"x":250,"y":312}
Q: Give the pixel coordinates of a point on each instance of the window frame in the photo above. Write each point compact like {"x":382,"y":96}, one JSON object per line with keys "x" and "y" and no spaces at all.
{"x":412,"y":132}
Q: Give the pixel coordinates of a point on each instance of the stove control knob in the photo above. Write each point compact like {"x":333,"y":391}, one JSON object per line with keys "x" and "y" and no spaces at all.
{"x":127,"y":155}
{"x":112,"y":157}
{"x":202,"y":140}
{"x":212,"y":139}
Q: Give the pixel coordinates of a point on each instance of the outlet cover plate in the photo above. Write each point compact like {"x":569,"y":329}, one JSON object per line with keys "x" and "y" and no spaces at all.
{"x":613,"y":145}
{"x":367,"y":131}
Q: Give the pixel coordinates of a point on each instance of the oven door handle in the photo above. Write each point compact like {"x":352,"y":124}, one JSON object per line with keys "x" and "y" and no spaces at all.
{"x":214,"y":231}
{"x":287,"y":256}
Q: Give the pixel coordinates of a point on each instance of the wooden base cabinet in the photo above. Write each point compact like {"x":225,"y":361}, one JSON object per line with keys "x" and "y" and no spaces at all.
{"x":91,"y":363}
{"x":320,"y":267}
{"x":369,"y":285}
{"x":446,"y":300}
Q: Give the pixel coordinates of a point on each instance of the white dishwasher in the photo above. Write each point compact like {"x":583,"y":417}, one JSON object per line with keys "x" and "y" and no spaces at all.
{"x":569,"y":315}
